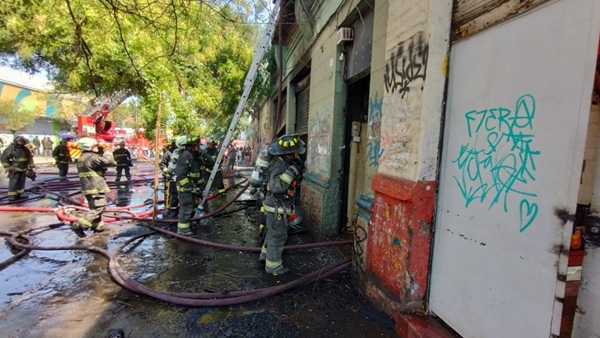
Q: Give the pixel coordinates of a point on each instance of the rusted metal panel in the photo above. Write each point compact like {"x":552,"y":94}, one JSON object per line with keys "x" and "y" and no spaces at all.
{"x":302,"y":106}
{"x":473,"y":16}
{"x":467,"y":10}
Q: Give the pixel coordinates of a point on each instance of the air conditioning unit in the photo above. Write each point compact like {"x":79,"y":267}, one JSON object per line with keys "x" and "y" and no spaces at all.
{"x":345,"y":34}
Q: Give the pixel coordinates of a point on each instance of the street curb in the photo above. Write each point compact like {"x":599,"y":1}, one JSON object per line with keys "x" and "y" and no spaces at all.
{"x":413,"y":326}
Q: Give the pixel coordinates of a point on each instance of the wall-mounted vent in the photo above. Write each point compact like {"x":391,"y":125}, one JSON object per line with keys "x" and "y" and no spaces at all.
{"x":345,"y":34}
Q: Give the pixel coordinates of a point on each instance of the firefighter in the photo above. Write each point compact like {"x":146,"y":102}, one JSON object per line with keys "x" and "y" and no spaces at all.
{"x":91,"y":167}
{"x":209,"y":159}
{"x":17,"y":160}
{"x":171,"y":195}
{"x":123,"y":160}
{"x":284,"y":173}
{"x":186,"y":183}
{"x":62,"y":158}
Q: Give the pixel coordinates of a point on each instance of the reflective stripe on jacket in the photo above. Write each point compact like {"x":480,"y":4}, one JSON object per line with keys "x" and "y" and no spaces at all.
{"x":90,"y":167}
{"x":122,"y":157}
{"x":19,"y":158}
{"x":61,"y":154}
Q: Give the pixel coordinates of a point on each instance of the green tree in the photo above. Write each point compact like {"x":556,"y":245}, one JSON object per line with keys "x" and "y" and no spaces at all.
{"x":67,"y":107}
{"x":195,"y":54}
{"x":127,"y":115}
{"x":15,"y":116}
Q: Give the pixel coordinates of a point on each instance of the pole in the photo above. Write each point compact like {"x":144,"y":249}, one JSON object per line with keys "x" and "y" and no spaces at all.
{"x":156,"y":161}
{"x":248,"y":83}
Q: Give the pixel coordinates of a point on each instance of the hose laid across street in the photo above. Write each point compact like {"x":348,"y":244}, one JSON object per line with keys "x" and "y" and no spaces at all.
{"x":22,"y":241}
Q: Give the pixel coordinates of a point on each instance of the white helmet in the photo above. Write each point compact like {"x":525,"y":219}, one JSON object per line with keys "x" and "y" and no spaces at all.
{"x":87,"y":143}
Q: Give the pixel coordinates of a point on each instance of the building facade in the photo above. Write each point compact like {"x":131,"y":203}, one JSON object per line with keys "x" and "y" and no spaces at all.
{"x":448,"y":137}
{"x":29,"y":93}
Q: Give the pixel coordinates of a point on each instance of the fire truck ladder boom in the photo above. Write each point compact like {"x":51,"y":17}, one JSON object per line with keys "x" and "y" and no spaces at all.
{"x":248,"y":83}
{"x":113,"y":100}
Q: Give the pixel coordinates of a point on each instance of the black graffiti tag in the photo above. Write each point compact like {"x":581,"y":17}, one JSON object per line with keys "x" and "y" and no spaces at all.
{"x":407,"y":64}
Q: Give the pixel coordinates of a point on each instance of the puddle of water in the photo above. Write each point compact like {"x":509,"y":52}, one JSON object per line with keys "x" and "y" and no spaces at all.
{"x":58,"y":279}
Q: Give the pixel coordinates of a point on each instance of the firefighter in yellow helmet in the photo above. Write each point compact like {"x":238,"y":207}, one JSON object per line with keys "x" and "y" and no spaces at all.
{"x":284,"y":174}
{"x":91,"y":167}
{"x":187,"y":172}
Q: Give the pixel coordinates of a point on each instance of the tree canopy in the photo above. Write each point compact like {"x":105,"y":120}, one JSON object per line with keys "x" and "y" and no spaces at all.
{"x":190,"y":55}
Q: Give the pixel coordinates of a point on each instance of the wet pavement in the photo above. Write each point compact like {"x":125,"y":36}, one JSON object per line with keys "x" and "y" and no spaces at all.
{"x":71,"y":294}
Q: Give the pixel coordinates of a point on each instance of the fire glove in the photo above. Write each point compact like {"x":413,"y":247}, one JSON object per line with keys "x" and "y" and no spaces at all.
{"x":31,"y":174}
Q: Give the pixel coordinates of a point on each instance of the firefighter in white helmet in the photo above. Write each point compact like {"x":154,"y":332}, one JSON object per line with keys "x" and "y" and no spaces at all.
{"x":91,"y":167}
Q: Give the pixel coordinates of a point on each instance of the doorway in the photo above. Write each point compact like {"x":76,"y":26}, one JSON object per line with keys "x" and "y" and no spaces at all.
{"x":354,"y":149}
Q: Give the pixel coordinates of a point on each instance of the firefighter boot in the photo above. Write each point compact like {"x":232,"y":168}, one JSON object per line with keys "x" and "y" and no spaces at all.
{"x":97,"y":228}
{"x":77,"y":229}
{"x":117,"y":333}
{"x":278,"y":271}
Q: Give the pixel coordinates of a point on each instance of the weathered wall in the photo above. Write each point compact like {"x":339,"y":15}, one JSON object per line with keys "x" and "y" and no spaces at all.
{"x":588,"y":303}
{"x":326,"y":128}
{"x":410,"y":110}
{"x":587,"y":193}
{"x":265,"y":124}
{"x":373,"y":151}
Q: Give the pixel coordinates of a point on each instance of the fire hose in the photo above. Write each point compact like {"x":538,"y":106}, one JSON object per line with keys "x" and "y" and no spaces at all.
{"x":16,"y":239}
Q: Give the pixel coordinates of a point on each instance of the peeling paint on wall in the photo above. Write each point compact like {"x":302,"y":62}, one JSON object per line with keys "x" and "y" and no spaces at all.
{"x":405,"y":74}
{"x":319,"y":144}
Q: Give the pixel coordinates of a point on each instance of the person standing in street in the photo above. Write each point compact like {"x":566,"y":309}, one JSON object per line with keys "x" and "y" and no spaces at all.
{"x":209,"y":159}
{"x":284,"y":174}
{"x":231,"y":158}
{"x":38,"y":149}
{"x":91,"y":167}
{"x":186,"y":183}
{"x":123,"y":159}
{"x":47,"y":144}
{"x":17,"y":160}
{"x":62,"y":158}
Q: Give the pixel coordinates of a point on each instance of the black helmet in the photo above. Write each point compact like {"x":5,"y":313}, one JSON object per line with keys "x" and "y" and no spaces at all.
{"x":21,"y":138}
{"x":287,"y":144}
{"x":192,"y":140}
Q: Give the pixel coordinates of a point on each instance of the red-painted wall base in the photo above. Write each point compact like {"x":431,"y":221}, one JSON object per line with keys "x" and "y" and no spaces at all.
{"x":399,"y":236}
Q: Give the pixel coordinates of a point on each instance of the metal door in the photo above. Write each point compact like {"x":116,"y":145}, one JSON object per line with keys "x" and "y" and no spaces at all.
{"x":518,"y":104}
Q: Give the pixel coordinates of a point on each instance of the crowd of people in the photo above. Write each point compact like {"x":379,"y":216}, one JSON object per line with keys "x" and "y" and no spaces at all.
{"x":237,"y":156}
{"x":186,"y":167}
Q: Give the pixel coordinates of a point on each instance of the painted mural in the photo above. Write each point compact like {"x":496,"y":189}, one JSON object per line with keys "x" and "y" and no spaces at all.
{"x":27,"y":97}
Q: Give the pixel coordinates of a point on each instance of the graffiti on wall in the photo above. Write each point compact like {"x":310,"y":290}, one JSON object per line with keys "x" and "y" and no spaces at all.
{"x":360,"y":244}
{"x":406,"y":65}
{"x":374,"y":149}
{"x":319,"y":146}
{"x":498,"y":160}
{"x":405,"y":73}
